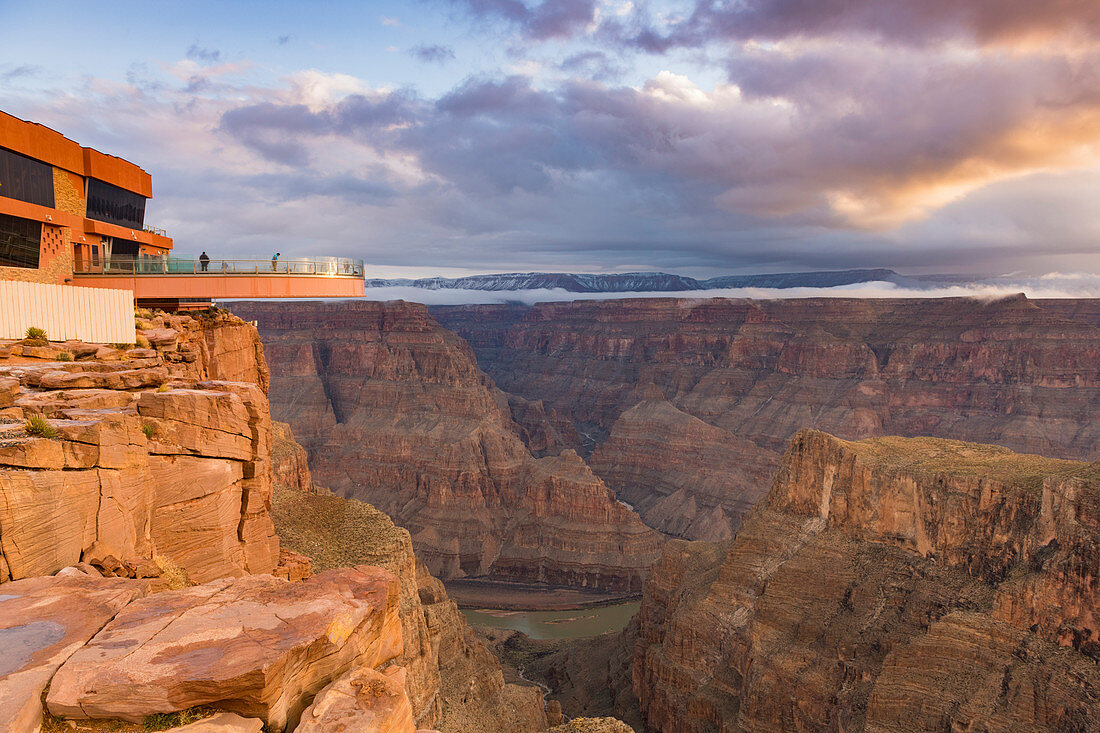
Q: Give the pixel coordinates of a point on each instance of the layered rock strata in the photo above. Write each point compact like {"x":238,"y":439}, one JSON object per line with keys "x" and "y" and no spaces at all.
{"x":146,"y":461}
{"x":453,"y":683}
{"x":393,"y":410}
{"x":1009,"y":371}
{"x":885,"y":585}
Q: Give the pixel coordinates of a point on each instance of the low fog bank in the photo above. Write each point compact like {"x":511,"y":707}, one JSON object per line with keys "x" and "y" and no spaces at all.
{"x":1053,"y":285}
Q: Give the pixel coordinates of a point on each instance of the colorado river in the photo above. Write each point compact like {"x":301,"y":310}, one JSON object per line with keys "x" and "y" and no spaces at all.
{"x":556,"y":624}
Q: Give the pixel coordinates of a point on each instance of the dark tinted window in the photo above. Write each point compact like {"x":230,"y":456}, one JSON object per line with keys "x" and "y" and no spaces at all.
{"x":25,"y":179}
{"x":19,"y":241}
{"x":115,"y":205}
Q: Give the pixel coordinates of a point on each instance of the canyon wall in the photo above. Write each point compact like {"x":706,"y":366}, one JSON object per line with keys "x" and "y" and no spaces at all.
{"x":150,"y":460}
{"x":393,"y":410}
{"x":741,"y":377}
{"x":888,"y":584}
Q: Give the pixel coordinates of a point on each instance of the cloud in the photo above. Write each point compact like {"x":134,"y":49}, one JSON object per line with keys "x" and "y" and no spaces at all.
{"x":22,"y":71}
{"x":822,"y":148}
{"x":911,"y":22}
{"x":391,"y":22}
{"x":1052,"y":285}
{"x":434,"y":53}
{"x":541,"y":21}
{"x":594,"y":65}
{"x":204,"y":55}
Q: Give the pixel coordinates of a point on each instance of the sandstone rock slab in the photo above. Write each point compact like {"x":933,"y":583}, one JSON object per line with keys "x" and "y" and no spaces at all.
{"x":42,"y":622}
{"x":257,"y":646}
{"x":363,"y":699}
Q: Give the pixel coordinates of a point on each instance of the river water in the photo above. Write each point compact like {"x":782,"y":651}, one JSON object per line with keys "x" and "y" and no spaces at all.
{"x":556,"y":624}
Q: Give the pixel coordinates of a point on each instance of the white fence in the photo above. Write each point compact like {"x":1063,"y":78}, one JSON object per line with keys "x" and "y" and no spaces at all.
{"x":96,"y":315}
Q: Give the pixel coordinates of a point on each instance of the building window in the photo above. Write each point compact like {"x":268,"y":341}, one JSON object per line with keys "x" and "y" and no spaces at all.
{"x":20,"y":240}
{"x":115,"y":205}
{"x":25,"y":179}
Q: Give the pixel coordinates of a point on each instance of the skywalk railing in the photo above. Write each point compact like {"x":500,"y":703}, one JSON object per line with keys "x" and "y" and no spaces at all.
{"x":315,"y":266}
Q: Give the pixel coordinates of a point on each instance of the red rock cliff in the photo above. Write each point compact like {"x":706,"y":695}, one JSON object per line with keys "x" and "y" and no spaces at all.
{"x":393,"y":410}
{"x":885,"y":585}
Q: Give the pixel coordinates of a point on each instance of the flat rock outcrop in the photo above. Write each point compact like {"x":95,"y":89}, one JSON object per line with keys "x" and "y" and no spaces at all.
{"x":888,"y":584}
{"x":257,"y":646}
{"x":454,"y":682}
{"x":43,"y":621}
{"x":393,"y":410}
{"x":1014,"y":372}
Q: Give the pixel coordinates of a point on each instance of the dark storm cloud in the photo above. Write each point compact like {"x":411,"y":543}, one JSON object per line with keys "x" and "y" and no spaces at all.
{"x":434,"y":54}
{"x":904,"y":21}
{"x":907,"y":21}
{"x":849,"y":145}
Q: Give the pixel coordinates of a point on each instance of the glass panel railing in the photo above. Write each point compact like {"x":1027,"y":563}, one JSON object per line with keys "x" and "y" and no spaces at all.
{"x":315,"y":266}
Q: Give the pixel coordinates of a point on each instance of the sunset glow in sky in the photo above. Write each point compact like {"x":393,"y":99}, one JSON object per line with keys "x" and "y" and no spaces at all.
{"x":698,"y":137}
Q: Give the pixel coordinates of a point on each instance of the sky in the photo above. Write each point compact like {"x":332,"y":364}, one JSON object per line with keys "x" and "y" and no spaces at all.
{"x":699,"y":137}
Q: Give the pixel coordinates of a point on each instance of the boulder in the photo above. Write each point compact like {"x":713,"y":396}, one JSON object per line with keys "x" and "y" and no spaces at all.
{"x":161,"y":337}
{"x":258,"y":646}
{"x":40,"y":352}
{"x":9,"y":388}
{"x":42,"y":622}
{"x":363,"y":699}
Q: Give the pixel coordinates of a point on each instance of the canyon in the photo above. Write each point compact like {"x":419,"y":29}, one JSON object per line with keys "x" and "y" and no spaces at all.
{"x":198,"y":497}
{"x":393,"y":410}
{"x":644,"y":379}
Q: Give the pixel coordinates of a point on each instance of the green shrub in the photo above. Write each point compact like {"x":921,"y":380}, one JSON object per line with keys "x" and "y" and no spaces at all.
{"x":142,"y":342}
{"x":35,"y":333}
{"x":38,"y":425}
{"x":149,"y":429}
{"x":65,"y":356}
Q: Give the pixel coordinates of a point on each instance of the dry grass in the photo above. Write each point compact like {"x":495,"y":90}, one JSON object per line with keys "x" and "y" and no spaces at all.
{"x":157,"y":722}
{"x":172,"y":573}
{"x":142,"y":342}
{"x":936,"y":456}
{"x":332,"y":531}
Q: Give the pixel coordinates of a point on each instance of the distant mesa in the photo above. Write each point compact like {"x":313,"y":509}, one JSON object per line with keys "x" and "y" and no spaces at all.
{"x":639,"y":282}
